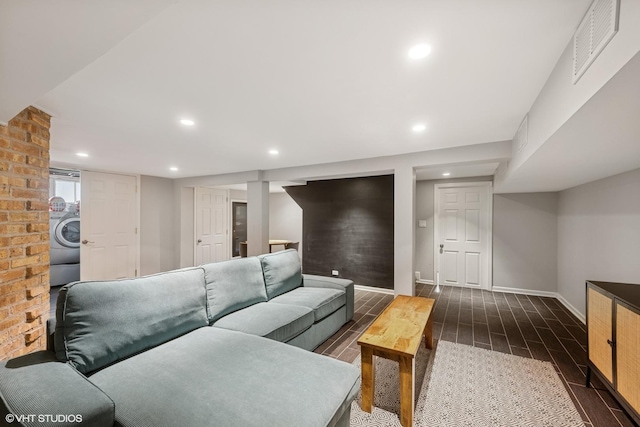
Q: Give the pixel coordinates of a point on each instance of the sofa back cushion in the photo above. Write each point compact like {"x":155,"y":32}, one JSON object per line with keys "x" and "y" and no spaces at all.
{"x":99,"y":323}
{"x":282,"y":272}
{"x":233,"y":285}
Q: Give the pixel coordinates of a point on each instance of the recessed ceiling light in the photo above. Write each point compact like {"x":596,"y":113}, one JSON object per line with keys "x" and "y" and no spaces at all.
{"x":173,"y":169}
{"x":273,"y":152}
{"x":420,"y":127}
{"x":419,"y":51}
{"x":82,"y":155}
{"x":187,"y":122}
{"x":446,"y":174}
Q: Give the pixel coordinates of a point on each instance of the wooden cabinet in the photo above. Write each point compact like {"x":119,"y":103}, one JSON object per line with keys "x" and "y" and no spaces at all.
{"x":613,"y":340}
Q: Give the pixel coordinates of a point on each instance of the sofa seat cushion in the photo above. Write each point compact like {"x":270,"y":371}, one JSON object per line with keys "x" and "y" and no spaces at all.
{"x":322,"y":301}
{"x":279,"y":322}
{"x":215,"y":377}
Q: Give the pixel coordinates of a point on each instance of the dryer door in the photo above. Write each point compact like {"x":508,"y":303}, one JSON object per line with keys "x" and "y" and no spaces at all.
{"x":68,"y":232}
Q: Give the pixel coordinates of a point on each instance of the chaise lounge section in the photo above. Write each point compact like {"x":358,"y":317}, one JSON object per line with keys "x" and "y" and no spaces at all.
{"x":198,"y":346}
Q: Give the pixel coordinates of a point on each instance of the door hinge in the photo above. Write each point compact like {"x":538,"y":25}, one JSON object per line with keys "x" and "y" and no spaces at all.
{"x":136,"y":230}
{"x":136,"y":273}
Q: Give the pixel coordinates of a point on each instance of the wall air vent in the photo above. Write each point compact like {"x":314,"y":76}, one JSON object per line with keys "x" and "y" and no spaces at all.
{"x":597,"y":28}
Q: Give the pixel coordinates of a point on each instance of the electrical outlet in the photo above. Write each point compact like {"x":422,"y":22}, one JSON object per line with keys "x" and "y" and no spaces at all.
{"x":335,"y":273}
{"x":417,"y":275}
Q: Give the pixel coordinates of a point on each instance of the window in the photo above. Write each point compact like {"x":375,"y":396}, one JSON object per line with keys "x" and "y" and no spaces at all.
{"x":65,"y":188}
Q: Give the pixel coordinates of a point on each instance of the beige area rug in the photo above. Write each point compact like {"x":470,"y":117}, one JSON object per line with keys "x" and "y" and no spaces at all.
{"x":469,"y":386}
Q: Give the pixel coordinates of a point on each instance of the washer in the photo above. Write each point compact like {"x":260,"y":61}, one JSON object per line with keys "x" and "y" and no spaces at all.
{"x":61,"y":274}
{"x":64,"y":241}
{"x":64,"y":237}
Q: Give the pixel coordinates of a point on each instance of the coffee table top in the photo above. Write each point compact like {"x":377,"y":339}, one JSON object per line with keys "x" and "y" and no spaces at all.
{"x":400,"y":327}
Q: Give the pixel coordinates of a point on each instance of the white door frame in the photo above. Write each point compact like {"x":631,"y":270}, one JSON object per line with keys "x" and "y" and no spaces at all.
{"x":436,"y":226}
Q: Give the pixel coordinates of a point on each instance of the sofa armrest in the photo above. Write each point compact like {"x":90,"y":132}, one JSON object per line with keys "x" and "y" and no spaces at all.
{"x":311,"y":280}
{"x":37,"y":390}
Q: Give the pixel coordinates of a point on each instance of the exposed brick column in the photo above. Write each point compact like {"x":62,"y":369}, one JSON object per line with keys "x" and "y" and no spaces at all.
{"x":24,"y":233}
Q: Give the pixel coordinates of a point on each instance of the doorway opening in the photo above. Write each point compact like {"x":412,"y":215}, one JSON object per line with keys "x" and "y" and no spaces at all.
{"x":239,"y":230}
{"x":64,"y":230}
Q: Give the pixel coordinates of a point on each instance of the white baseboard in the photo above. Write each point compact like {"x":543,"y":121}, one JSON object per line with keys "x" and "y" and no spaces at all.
{"x":373,"y":289}
{"x":555,"y":295}
{"x":572,"y":309}
{"x":532,"y":292}
{"x":384,"y":290}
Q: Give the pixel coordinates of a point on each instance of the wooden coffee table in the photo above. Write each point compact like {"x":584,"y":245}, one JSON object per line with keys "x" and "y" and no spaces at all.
{"x":396,"y":335}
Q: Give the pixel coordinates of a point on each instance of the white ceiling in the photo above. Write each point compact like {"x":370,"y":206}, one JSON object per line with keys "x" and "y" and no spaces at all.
{"x":321,"y":81}
{"x":43,"y":43}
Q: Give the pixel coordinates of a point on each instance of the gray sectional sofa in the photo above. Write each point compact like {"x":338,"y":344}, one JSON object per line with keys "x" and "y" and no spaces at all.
{"x":194,"y":347}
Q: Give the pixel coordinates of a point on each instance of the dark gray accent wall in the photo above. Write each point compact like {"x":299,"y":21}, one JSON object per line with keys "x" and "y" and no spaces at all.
{"x":347,"y":225}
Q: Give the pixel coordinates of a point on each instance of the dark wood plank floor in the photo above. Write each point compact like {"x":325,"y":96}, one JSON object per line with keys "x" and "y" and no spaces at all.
{"x":529,"y":326}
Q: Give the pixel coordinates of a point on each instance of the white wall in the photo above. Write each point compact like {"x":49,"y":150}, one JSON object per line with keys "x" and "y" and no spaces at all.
{"x":598,"y":235}
{"x":525,"y":241}
{"x":424,"y":236}
{"x":157,"y":244}
{"x":404,"y":230}
{"x":285,"y":219}
{"x":238,"y":195}
{"x":185,"y":226}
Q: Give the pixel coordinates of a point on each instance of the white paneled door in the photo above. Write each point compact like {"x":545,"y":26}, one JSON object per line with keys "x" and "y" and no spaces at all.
{"x":211,"y":230}
{"x":463,"y":234}
{"x":108,"y":226}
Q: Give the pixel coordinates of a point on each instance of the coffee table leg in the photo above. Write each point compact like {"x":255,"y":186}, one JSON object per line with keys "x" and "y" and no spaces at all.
{"x":407,"y":386}
{"x":368,"y":378}
{"x":428,"y":332}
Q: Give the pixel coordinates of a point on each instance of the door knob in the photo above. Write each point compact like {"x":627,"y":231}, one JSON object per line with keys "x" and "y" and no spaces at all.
{"x":441,"y":247}
{"x":85,"y":241}
{"x":199,"y":241}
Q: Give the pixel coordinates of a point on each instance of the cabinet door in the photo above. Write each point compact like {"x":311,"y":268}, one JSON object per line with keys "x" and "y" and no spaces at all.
{"x":628,"y":355}
{"x":599,"y":321}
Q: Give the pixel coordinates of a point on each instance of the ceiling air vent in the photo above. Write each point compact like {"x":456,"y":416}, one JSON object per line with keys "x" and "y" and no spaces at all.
{"x":597,"y":28}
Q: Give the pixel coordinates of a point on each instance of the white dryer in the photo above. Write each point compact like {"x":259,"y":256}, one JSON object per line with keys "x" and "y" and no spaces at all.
{"x":64,"y":238}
